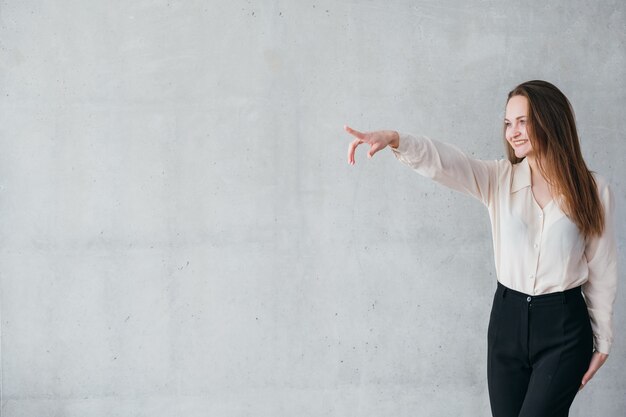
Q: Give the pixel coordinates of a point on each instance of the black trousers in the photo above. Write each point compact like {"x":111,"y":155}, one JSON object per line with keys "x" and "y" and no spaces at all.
{"x":539,"y":348}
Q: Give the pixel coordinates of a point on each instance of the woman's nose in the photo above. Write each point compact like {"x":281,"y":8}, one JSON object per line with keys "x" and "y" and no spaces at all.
{"x":513,"y":134}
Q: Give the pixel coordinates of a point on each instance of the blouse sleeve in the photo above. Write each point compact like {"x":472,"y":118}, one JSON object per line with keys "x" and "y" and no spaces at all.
{"x":601,"y":286}
{"x":449,"y":166}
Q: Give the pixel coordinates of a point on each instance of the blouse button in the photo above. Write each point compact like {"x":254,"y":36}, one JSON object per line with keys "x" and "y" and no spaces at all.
{"x":536,"y":245}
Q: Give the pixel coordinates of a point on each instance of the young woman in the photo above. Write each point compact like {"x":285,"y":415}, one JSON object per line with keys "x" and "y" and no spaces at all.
{"x":551,"y":327}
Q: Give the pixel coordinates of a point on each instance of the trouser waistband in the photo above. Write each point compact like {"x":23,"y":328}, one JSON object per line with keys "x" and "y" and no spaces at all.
{"x":561,"y":296}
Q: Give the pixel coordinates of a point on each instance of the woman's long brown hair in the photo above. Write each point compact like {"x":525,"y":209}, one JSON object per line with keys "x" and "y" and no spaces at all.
{"x":553,"y":136}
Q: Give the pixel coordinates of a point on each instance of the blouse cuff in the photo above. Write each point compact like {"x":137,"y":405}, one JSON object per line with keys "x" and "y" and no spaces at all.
{"x":403,"y":144}
{"x":601,"y":345}
{"x":410,"y":149}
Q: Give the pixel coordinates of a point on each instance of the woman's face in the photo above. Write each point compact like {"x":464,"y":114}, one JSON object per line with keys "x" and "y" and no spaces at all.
{"x":515,"y":122}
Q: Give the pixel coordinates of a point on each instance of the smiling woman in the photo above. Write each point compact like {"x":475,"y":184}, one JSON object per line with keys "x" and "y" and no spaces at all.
{"x":516,"y":135}
{"x":551,"y":325}
{"x":515,"y":126}
{"x":560,"y":164}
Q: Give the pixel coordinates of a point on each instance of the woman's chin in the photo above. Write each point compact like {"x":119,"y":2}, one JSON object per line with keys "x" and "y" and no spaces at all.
{"x":522,"y":153}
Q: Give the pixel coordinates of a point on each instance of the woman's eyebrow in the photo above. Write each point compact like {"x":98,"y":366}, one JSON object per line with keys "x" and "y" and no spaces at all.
{"x":518,"y":117}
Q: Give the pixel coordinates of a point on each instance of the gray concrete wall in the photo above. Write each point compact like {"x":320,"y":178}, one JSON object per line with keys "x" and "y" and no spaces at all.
{"x":181,"y":235}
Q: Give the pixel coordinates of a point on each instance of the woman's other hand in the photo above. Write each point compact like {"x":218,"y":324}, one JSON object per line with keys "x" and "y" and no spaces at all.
{"x":377,"y":140}
{"x":597,"y":360}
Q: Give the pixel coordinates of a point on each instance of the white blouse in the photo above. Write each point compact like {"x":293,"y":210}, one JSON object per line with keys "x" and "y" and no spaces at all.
{"x":537,"y":251}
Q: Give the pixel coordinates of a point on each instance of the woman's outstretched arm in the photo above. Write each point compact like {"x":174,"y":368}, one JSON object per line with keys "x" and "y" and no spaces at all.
{"x":440,"y":161}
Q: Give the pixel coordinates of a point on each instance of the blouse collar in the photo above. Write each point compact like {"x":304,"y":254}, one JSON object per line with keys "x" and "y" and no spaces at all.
{"x":521,"y":176}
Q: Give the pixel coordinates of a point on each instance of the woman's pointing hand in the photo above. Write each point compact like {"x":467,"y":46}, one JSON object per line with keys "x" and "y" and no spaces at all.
{"x":377,"y":140}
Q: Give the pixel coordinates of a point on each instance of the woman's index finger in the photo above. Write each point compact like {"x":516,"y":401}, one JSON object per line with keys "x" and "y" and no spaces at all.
{"x":353,"y":132}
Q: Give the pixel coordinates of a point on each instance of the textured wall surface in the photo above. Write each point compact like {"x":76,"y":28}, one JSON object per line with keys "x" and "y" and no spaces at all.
{"x":180,"y":233}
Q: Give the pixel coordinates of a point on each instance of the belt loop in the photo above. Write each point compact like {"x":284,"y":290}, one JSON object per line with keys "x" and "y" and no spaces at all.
{"x":564,"y":296}
{"x":504,"y":292}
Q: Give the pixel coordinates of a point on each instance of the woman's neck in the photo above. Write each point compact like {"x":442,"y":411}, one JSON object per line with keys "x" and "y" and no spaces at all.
{"x":540,"y":187}
{"x":532,"y":163}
